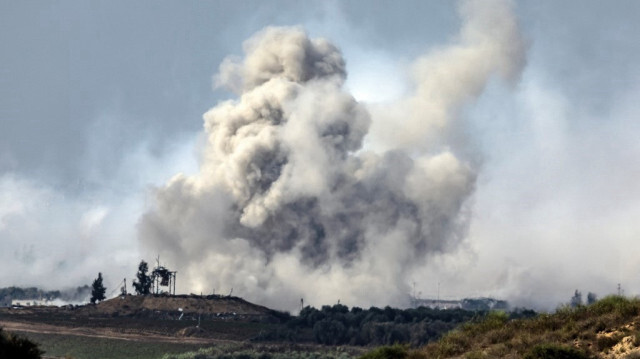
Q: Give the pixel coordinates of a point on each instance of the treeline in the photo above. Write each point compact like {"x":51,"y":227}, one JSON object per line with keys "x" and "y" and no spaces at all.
{"x":338,"y":325}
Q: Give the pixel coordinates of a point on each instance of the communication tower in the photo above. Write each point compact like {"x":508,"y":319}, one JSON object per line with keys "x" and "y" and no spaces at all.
{"x":161,"y":276}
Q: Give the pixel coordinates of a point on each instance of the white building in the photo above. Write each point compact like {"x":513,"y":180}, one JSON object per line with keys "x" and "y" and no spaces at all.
{"x":29,"y":302}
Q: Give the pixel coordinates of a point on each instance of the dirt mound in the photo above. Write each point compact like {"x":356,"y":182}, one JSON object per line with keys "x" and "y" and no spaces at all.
{"x":213,"y":305}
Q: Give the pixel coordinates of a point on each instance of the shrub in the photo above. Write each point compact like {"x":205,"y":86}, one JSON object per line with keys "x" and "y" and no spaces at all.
{"x":606,"y":342}
{"x":396,"y":351}
{"x":475,"y":355}
{"x":328,"y":331}
{"x":552,"y":351}
{"x":12,"y":346}
{"x":493,"y":320}
{"x":616,"y":304}
{"x":455,"y":343}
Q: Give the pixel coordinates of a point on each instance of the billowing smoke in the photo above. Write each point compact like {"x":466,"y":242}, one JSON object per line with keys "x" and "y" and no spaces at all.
{"x":288,"y":203}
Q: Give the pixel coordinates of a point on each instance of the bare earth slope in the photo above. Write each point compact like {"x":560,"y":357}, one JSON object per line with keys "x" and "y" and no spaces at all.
{"x":188,"y":304}
{"x":149,"y":318}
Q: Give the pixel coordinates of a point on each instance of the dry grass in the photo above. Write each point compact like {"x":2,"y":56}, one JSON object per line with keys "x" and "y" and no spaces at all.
{"x":605,"y":329}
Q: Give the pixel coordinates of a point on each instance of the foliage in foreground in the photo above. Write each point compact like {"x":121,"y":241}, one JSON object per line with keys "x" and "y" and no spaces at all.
{"x":13,"y":346}
{"x":554,"y":351}
{"x":572,"y":333}
{"x":396,"y":351}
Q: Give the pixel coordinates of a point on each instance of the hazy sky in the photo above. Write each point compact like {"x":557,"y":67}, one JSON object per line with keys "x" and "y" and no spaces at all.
{"x":100,"y":101}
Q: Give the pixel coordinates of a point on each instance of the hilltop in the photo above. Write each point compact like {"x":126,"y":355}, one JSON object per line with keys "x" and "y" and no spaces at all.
{"x":161,"y":318}
{"x":177,"y":305}
{"x":160,"y":306}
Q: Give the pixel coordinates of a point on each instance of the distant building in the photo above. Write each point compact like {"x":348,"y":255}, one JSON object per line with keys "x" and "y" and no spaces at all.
{"x":484,"y":304}
{"x":30,"y":302}
{"x":436,"y":303}
{"x":466,"y":304}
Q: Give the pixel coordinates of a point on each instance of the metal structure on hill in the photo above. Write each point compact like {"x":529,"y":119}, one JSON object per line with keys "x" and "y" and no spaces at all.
{"x":163,"y":277}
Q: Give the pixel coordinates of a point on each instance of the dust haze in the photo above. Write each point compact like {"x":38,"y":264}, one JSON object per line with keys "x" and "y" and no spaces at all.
{"x":288,"y":204}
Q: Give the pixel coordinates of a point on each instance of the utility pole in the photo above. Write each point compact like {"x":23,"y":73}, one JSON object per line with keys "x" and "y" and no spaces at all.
{"x":156,"y":279}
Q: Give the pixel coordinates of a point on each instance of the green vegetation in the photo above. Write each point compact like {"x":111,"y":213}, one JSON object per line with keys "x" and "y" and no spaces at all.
{"x":606,"y":326}
{"x":337,"y":325}
{"x":97,"y":290}
{"x":142,"y":284}
{"x":554,"y":351}
{"x":396,"y":351}
{"x":13,"y":346}
{"x":80,"y":347}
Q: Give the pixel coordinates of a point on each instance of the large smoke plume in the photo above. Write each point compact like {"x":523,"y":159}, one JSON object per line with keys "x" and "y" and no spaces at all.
{"x":288,"y":203}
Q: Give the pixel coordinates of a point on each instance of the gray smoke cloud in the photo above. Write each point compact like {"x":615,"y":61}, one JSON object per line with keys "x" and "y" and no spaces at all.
{"x":288,"y":203}
{"x":447,"y":78}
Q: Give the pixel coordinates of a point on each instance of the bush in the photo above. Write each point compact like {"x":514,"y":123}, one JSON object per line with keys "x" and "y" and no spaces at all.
{"x":607,"y":342}
{"x":12,"y":346}
{"x":616,"y":304}
{"x":329,"y":331}
{"x":387,"y":352}
{"x":552,"y":351}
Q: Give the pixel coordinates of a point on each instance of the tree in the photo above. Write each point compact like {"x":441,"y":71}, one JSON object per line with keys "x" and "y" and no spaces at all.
{"x":576,"y":300}
{"x":591,"y":298}
{"x":329,"y":331}
{"x":97,"y":290}
{"x":143,"y":285}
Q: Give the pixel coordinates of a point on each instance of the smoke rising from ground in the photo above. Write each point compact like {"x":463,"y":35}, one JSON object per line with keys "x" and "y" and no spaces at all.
{"x":288,"y":204}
